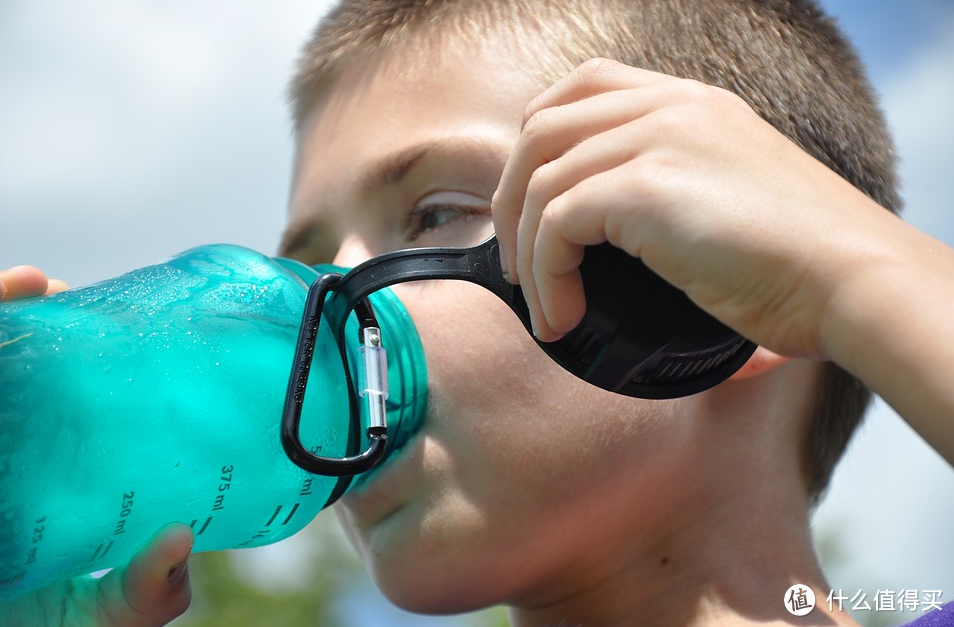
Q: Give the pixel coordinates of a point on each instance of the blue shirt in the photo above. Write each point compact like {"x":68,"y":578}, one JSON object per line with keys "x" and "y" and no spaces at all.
{"x":943,"y":617}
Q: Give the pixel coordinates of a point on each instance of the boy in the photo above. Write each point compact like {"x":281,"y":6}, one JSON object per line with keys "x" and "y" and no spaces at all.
{"x":526,"y":486}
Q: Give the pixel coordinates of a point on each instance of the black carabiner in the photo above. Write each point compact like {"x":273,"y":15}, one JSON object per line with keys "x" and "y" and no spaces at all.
{"x":298,"y":381}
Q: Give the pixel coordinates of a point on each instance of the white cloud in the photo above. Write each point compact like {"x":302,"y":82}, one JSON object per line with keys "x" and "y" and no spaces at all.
{"x":131,"y":129}
{"x":113,"y":95}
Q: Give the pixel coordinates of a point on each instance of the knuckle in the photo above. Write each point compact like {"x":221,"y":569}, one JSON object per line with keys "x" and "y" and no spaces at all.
{"x":711,"y":97}
{"x":537,"y":124}
{"x":558,"y":206}
{"x":734,"y":100}
{"x":670,"y":122}
{"x":542,"y":181}
{"x":695,"y":91}
{"x":550,"y":219}
{"x":554,"y":218}
{"x":595,"y":69}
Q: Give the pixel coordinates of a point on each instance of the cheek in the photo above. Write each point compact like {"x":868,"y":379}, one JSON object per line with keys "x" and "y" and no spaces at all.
{"x":519,"y":457}
{"x":481,"y":361}
{"x":496,"y":396}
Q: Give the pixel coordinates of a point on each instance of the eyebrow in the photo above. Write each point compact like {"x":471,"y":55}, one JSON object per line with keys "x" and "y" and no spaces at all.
{"x":392,"y":168}
{"x":300,"y":235}
{"x":388,"y":171}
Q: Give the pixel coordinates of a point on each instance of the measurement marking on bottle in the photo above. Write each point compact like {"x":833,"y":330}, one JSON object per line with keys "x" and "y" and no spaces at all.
{"x":204,"y":525}
{"x":96,"y":554}
{"x":277,"y":512}
{"x":274,"y":516}
{"x":267,"y":528}
{"x":10,"y":583}
{"x":225,"y":484}
{"x":306,"y":487}
{"x":294,"y":509}
{"x":258,"y":536}
{"x":124,"y":511}
{"x":38,"y":529}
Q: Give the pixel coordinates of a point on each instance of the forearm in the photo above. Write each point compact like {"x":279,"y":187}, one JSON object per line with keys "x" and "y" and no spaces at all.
{"x":890,"y":322}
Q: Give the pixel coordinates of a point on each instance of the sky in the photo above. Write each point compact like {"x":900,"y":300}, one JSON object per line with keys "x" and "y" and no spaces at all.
{"x":132,"y":130}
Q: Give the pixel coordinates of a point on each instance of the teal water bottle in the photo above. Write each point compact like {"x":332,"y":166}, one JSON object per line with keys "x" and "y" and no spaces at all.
{"x":157,"y":397}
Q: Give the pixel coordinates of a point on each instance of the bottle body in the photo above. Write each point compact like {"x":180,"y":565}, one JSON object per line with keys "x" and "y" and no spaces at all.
{"x":157,"y":397}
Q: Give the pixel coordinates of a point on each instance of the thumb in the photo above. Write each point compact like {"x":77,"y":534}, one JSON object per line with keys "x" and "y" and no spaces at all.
{"x":154,"y":587}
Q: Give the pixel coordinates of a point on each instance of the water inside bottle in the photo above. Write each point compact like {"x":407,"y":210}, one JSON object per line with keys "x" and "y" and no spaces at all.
{"x":96,"y":444}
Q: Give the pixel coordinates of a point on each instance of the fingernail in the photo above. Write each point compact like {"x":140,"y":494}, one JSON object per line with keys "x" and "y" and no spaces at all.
{"x":178,"y":572}
{"x":502,"y":257}
{"x":533,"y":328}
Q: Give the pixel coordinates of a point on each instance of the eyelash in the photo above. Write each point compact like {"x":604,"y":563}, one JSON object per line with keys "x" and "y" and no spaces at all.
{"x":461,"y":213}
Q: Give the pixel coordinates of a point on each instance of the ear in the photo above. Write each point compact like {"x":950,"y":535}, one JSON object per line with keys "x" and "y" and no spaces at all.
{"x":762,"y":360}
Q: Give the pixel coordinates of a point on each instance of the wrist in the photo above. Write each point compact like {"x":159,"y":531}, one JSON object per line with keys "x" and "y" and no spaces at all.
{"x":888,"y":298}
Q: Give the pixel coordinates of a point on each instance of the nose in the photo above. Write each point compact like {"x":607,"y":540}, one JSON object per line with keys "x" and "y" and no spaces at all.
{"x":353,"y":251}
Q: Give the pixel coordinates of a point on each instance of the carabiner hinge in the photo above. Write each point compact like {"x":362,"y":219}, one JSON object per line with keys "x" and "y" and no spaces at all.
{"x":373,"y":378}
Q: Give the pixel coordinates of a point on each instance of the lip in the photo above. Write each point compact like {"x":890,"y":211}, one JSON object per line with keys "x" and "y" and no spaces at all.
{"x":386,"y":489}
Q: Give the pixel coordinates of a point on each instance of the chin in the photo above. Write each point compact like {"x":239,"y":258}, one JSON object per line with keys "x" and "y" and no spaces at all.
{"x":434,"y":595}
{"x":426,"y":576}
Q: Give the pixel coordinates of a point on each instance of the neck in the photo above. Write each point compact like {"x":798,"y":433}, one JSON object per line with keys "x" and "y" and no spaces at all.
{"x":712,"y":570}
{"x":729,"y":547}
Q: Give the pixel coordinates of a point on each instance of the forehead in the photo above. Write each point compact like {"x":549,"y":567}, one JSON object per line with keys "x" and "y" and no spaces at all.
{"x":465,"y":70}
{"x":458,"y":81}
{"x":393,"y":103}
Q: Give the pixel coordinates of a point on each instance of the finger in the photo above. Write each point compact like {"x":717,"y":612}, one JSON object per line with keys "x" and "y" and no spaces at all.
{"x":584,"y":215}
{"x":550,"y":182}
{"x":559,"y":288}
{"x":564,"y":233}
{"x":550,"y":134}
{"x":154,"y":587}
{"x":55,"y":285}
{"x":556,"y":274}
{"x":21,"y":282}
{"x":590,"y":78}
{"x":603,"y":152}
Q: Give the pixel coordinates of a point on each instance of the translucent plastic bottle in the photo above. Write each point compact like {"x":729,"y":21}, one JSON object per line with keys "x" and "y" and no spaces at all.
{"x":157,"y":397}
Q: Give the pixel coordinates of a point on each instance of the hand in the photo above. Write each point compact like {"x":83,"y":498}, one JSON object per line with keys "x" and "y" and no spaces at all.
{"x":24,"y":281}
{"x":151,"y":590}
{"x":687,"y":177}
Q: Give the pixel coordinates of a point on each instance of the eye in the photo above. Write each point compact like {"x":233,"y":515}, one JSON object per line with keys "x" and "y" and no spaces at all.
{"x":448,"y":219}
{"x":425,"y":219}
